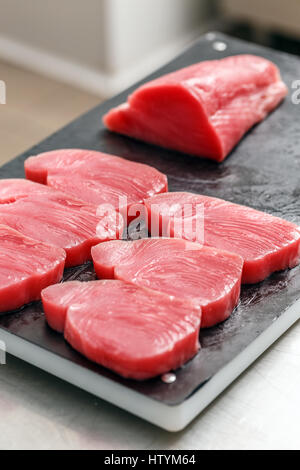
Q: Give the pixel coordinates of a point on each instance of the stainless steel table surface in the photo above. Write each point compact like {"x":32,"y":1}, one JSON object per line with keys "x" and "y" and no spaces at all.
{"x":259,"y":411}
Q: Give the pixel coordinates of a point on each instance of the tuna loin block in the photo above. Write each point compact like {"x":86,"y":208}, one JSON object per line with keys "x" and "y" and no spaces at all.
{"x":26,"y":267}
{"x":132,"y":331}
{"x":206,"y":277}
{"x":204,"y":109}
{"x":266,"y":243}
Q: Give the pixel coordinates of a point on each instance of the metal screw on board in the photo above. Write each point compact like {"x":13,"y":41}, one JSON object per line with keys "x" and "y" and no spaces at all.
{"x":219,"y":46}
{"x":168,"y":378}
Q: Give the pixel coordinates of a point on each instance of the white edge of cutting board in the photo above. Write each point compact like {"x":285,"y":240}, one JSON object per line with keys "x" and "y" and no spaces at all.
{"x":171,"y":418}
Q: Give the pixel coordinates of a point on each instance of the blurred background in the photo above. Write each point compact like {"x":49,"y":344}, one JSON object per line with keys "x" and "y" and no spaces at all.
{"x":59,"y":58}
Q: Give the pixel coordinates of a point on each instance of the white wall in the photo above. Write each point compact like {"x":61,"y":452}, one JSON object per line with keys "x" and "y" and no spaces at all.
{"x":70,"y":28}
{"x":101,"y":45}
{"x":136,"y":28}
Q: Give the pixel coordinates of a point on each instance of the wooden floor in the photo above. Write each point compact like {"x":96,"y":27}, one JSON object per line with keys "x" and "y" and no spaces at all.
{"x":35,"y":107}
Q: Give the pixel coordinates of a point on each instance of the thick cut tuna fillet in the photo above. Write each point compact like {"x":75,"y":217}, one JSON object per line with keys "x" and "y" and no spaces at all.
{"x":26,"y":267}
{"x":13,"y":189}
{"x":204,"y":109}
{"x":58,"y":219}
{"x":208,"y":277}
{"x":96,"y":177}
{"x":57,"y":300}
{"x":266,"y":243}
{"x":132,"y":331}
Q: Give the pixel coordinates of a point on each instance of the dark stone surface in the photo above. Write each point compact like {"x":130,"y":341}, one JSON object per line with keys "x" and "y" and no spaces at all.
{"x":263,"y":171}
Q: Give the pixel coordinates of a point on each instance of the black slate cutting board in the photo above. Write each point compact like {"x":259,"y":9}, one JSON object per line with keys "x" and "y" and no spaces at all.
{"x":263,"y":172}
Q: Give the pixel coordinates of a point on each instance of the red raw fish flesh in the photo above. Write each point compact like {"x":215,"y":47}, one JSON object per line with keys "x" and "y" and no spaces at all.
{"x":204,"y":109}
{"x":207,"y":277}
{"x":266,"y":243}
{"x":96,"y":177}
{"x":55,"y":218}
{"x":137,"y":333}
{"x":26,"y":267}
{"x":16,"y":188}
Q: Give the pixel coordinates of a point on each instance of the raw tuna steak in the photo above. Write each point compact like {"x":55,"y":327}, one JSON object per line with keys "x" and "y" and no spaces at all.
{"x":204,"y":109}
{"x":266,"y":243}
{"x":52,"y":217}
{"x":96,"y":177}
{"x":132,"y":331}
{"x":13,"y":189}
{"x":26,"y":267}
{"x":208,"y":277}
